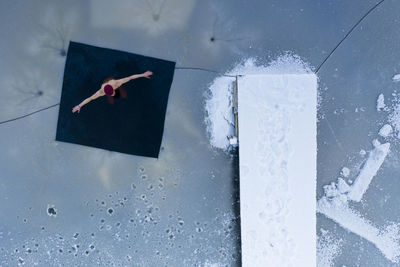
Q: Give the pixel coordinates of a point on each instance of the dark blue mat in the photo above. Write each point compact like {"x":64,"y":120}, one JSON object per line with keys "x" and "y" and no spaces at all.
{"x":132,"y":125}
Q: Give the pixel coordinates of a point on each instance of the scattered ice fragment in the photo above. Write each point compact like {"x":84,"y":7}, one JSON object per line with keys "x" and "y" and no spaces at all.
{"x":363,"y":152}
{"x":386,"y":130}
{"x":369,"y":170}
{"x":331,"y":190}
{"x":396,"y":78}
{"x":345,"y":172}
{"x":380,"y":103}
{"x":343,"y":187}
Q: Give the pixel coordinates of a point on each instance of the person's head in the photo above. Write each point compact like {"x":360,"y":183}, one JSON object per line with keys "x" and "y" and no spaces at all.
{"x":108,"y":90}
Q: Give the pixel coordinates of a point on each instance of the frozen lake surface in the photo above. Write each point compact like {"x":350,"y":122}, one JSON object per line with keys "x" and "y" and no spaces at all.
{"x":83,"y":206}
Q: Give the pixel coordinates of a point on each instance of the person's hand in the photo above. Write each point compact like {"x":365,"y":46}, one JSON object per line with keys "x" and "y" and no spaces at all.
{"x":147,"y":74}
{"x":76,"y":108}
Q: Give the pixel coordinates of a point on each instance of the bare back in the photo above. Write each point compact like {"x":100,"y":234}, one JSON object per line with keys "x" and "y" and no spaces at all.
{"x":114,"y":83}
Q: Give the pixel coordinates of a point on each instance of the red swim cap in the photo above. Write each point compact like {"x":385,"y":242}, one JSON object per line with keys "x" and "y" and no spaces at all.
{"x":108,"y":89}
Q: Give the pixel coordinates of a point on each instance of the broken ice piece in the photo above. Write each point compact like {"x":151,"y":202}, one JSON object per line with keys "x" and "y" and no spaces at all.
{"x":345,"y":172}
{"x":386,"y":130}
{"x":396,"y":78}
{"x":330,"y":190}
{"x":343,"y":187}
{"x":380,"y":103}
{"x":376,"y":143}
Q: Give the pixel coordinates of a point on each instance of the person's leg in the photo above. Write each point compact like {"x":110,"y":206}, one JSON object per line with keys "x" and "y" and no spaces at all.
{"x":110,"y":99}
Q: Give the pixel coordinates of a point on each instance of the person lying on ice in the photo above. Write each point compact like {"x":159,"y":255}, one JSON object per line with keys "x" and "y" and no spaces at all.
{"x":112,"y":89}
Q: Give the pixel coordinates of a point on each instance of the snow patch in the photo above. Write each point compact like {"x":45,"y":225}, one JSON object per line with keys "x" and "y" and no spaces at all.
{"x":385,"y":240}
{"x":343,"y":187}
{"x":219,"y":118}
{"x":334,"y":205}
{"x":328,"y":248}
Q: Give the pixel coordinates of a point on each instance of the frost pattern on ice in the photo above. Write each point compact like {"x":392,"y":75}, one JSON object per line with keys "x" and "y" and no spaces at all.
{"x":345,"y":172}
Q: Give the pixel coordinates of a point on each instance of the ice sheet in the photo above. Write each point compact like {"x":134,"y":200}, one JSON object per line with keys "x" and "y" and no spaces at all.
{"x":277,"y":156}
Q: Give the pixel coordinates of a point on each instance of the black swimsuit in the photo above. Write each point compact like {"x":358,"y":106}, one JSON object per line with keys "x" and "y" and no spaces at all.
{"x":117,"y":93}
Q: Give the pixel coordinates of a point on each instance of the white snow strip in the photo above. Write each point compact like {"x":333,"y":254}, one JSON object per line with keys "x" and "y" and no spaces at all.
{"x":396,"y":78}
{"x":386,"y":130}
{"x":219,"y":118}
{"x":277,"y":156}
{"x":380,"y":103}
{"x":369,"y":170}
{"x":386,"y":241}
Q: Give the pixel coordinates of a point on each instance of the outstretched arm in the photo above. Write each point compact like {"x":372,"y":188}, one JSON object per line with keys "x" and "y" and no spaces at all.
{"x":84,"y":102}
{"x":135,"y":76}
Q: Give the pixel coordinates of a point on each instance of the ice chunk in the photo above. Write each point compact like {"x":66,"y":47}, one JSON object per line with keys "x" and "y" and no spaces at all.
{"x":330,"y":190}
{"x":380,"y":103}
{"x":369,"y":170}
{"x":342,"y":186}
{"x":386,"y":130}
{"x":376,"y":143}
{"x":396,"y":78}
{"x":345,"y":172}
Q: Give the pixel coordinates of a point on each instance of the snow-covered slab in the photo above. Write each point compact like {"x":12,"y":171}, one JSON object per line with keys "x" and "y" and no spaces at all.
{"x":277,"y":156}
